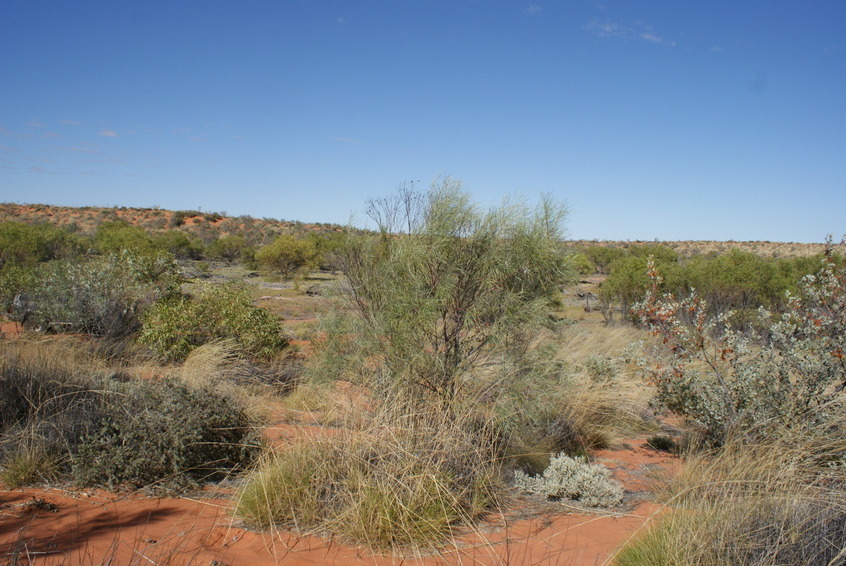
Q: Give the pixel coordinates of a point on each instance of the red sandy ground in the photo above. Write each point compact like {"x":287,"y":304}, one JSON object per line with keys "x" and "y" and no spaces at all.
{"x":55,"y":526}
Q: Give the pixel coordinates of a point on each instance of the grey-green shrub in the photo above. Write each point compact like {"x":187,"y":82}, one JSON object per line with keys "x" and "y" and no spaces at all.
{"x":573,"y":478}
{"x":58,"y":420}
{"x":732,"y":381}
{"x":164,"y":433}
{"x":101,"y":296}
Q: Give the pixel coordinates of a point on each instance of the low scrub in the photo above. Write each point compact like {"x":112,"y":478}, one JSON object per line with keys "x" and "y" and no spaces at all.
{"x":730,"y":380}
{"x":781,"y":502}
{"x":59,"y":421}
{"x":100,"y":296}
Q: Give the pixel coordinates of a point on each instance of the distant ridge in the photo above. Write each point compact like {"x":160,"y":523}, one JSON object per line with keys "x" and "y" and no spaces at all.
{"x":208,"y":226}
{"x":259,"y":231}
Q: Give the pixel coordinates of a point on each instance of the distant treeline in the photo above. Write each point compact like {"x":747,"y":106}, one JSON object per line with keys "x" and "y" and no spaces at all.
{"x":735,"y":280}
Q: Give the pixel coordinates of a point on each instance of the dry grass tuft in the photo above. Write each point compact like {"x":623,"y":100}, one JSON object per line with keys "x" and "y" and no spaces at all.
{"x":780,"y":502}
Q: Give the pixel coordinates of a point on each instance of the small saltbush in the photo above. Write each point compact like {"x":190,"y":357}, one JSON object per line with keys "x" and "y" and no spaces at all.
{"x":575,"y":479}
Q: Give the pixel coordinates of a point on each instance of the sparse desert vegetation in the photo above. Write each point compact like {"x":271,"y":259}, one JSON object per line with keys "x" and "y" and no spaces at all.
{"x":408,"y":389}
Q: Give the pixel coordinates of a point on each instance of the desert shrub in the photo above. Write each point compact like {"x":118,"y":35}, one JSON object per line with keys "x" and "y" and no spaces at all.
{"x":602,"y":257}
{"x":100,"y":296}
{"x":118,"y":236}
{"x":575,"y":479}
{"x":61,"y":418}
{"x":179,"y":244}
{"x":229,"y":249}
{"x":727,"y":381}
{"x":287,"y":255}
{"x":583,"y":265}
{"x":164,"y":433}
{"x":175,"y":326}
{"x":457,"y":291}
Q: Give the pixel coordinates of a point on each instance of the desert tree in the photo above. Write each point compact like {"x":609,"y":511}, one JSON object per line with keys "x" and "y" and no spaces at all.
{"x":287,"y":255}
{"x":445,"y":287}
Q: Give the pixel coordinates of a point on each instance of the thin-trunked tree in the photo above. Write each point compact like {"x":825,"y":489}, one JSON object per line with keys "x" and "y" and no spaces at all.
{"x":445,"y":288}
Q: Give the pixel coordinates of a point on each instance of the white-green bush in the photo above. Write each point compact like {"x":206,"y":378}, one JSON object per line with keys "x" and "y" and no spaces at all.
{"x":573,"y":478}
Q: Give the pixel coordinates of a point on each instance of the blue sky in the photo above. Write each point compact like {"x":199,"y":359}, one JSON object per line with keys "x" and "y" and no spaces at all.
{"x":650,"y":119}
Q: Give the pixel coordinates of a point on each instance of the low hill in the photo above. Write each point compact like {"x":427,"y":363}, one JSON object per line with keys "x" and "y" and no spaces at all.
{"x":212,"y":225}
{"x":209,"y":226}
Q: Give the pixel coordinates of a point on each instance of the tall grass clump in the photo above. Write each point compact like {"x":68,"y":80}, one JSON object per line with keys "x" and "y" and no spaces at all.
{"x":779,"y":502}
{"x":403,"y":483}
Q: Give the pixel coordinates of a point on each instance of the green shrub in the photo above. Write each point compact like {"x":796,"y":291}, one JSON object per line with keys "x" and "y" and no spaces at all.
{"x":118,"y":236}
{"x":229,"y":248}
{"x":176,"y":326}
{"x":574,"y":479}
{"x":460,"y":290}
{"x":179,"y":244}
{"x":287,"y":255}
{"x":25,"y":245}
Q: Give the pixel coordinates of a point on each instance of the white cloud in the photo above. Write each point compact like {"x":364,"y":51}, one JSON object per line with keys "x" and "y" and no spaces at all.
{"x":534,"y":10}
{"x":70,"y":122}
{"x":109,"y":133}
{"x":608,"y":29}
{"x":637,"y":31}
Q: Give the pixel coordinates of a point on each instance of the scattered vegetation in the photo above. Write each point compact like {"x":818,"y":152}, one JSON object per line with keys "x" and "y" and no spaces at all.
{"x":464,"y":378}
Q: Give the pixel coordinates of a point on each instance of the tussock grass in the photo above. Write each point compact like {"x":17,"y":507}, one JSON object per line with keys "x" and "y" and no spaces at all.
{"x":779,"y":502}
{"x":401,"y":481}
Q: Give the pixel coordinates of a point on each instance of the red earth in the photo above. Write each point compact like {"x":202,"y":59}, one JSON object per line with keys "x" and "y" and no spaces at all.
{"x":59,"y":526}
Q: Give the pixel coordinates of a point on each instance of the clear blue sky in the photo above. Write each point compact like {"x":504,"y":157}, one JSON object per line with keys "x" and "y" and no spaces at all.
{"x":651,"y":119}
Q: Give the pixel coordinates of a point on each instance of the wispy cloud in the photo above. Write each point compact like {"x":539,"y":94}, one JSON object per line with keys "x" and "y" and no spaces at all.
{"x":70,"y":122}
{"x":534,"y":10}
{"x":634,"y":31}
{"x":109,"y":133}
